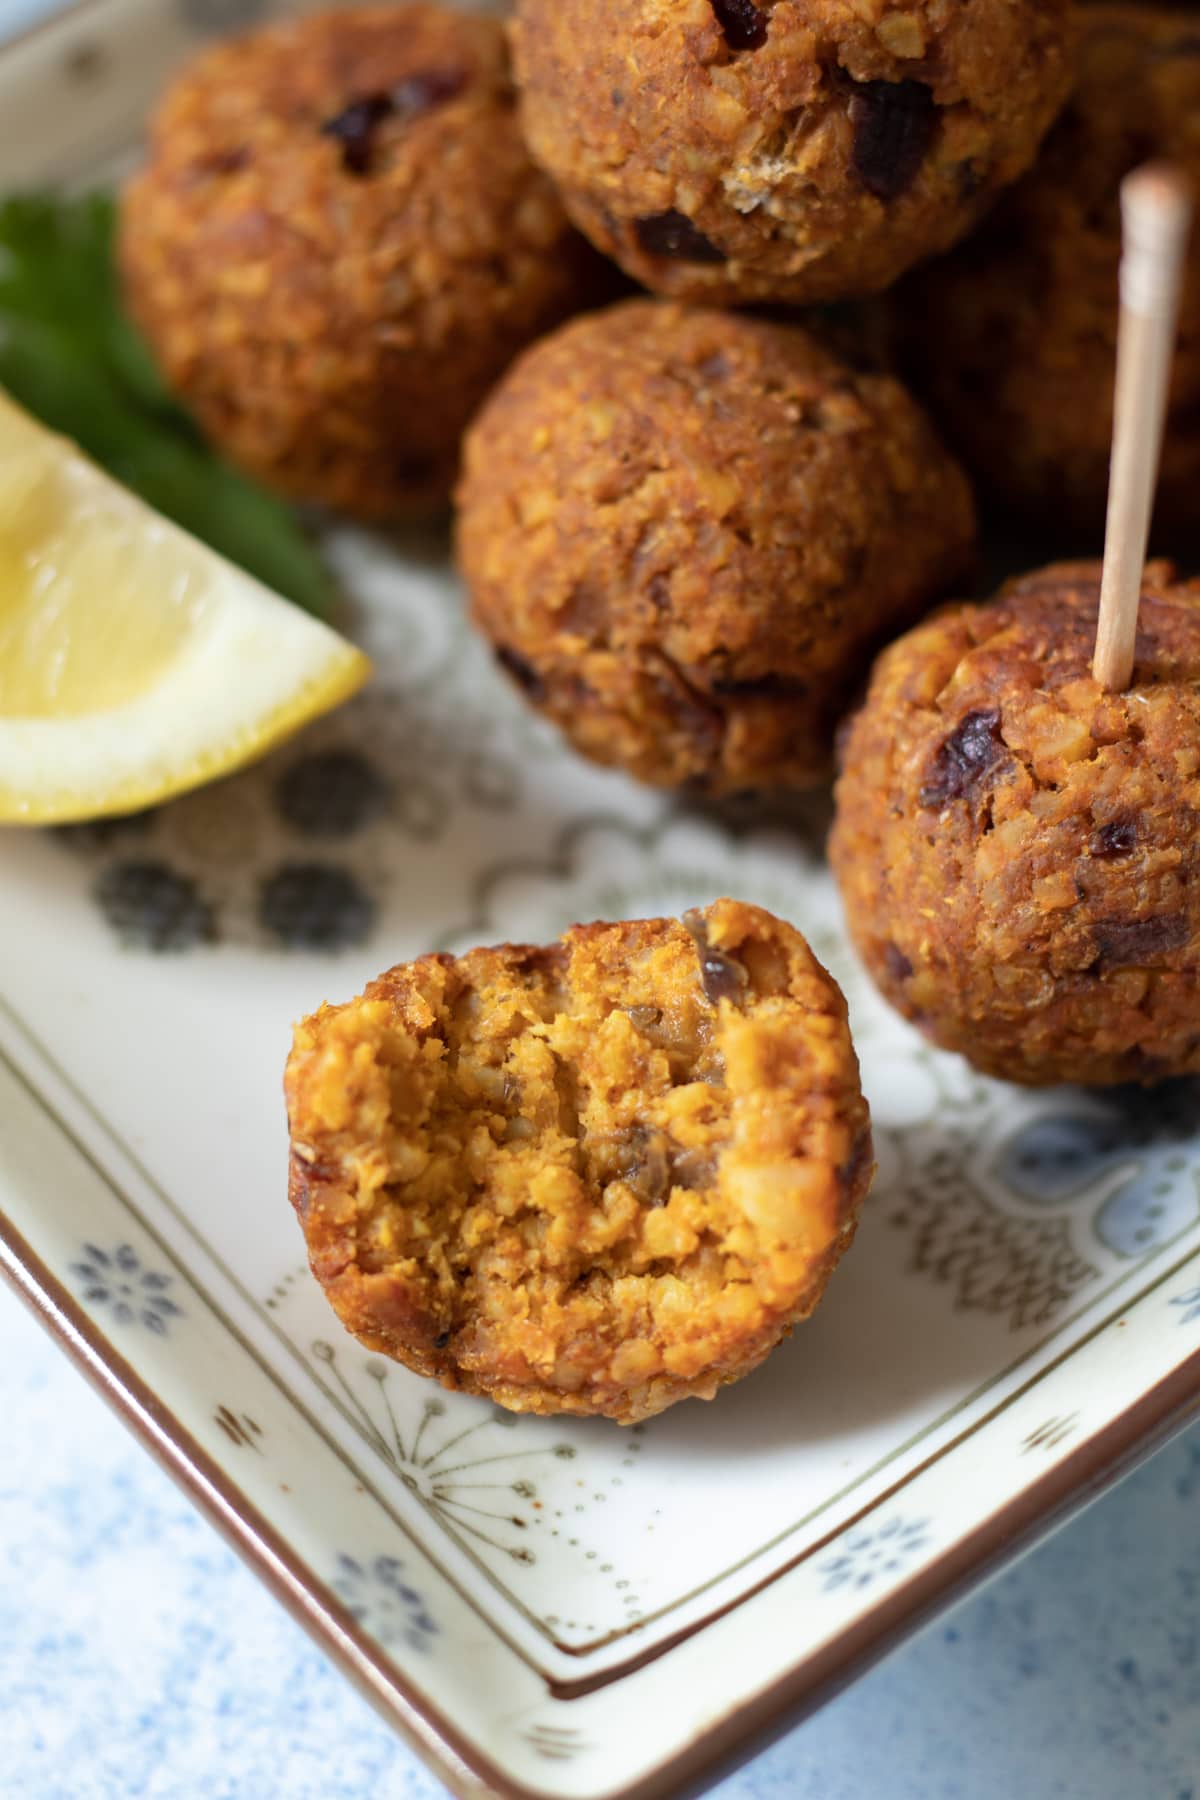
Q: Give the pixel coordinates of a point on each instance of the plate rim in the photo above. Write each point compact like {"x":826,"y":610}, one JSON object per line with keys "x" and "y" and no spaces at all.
{"x":1080,"y":1477}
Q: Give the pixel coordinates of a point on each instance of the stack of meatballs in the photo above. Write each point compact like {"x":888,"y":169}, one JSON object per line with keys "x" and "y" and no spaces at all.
{"x":708,"y":314}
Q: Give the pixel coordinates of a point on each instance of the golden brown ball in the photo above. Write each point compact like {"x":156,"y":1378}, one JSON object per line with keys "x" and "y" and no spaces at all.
{"x":686,"y":531}
{"x":1013,"y":338}
{"x":338,"y":243}
{"x":598,"y":1176}
{"x":1018,"y":851}
{"x":798,"y":150}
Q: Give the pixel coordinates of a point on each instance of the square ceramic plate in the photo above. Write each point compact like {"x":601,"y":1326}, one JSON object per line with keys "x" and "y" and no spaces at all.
{"x":545,"y":1608}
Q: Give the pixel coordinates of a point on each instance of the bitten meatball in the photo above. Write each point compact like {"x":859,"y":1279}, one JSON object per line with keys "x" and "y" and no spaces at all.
{"x":799,"y":150}
{"x":684,"y":533}
{"x":339,"y":242}
{"x":1013,"y":339}
{"x":594,"y":1177}
{"x":1017,"y":850}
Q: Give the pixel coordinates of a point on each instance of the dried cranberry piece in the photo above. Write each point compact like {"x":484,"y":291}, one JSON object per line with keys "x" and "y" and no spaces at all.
{"x":973,"y":747}
{"x":896,"y":963}
{"x":1117,"y":838}
{"x":672,"y":235}
{"x":742,"y":25}
{"x":894,"y":125}
{"x":355,"y":127}
{"x":722,"y":977}
{"x":1129,"y":943}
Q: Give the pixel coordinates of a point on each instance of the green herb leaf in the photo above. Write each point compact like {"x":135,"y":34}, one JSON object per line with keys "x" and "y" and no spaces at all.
{"x":69,"y":354}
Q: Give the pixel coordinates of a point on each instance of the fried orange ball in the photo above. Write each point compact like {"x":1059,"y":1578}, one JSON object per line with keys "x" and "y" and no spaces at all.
{"x":1013,"y":338}
{"x":598,"y":1176}
{"x":338,"y":243}
{"x":686,"y":532}
{"x":734,"y":151}
{"x":1018,"y":851}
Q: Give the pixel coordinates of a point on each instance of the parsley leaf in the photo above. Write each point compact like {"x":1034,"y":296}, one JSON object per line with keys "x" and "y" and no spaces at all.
{"x":69,"y":354}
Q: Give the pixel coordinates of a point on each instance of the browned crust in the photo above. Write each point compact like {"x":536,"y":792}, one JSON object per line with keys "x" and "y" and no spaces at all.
{"x":1013,"y":338}
{"x":816,"y":164}
{"x":338,"y":243}
{"x":1017,"y":851}
{"x":686,"y":531}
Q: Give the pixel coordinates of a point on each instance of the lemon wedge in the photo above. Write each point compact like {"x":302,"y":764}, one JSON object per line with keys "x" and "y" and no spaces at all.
{"x":134,"y":661}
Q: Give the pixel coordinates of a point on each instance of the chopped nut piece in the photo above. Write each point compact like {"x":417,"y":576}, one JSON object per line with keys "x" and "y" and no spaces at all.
{"x":902,"y":33}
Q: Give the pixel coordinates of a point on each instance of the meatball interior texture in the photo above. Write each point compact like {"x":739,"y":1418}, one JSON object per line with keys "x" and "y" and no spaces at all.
{"x":1013,"y":338}
{"x":1017,"y":850}
{"x":686,"y":531}
{"x":593,"y":1177}
{"x":338,"y":243}
{"x":800,"y":150}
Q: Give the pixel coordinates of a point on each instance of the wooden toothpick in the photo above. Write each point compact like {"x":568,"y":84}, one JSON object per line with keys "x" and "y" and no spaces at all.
{"x":1156,"y":213}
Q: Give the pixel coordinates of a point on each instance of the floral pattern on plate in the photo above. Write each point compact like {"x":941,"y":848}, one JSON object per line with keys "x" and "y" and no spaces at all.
{"x":115,"y":1283}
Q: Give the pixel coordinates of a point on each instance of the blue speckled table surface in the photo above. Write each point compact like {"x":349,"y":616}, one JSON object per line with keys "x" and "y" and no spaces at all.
{"x":137,"y":1656}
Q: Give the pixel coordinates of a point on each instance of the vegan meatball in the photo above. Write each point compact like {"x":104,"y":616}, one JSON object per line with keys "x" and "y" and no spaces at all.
{"x":1013,"y":339}
{"x":785,"y":150}
{"x":686,"y":531}
{"x":594,"y":1177}
{"x":339,"y":242}
{"x":1017,"y":850}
